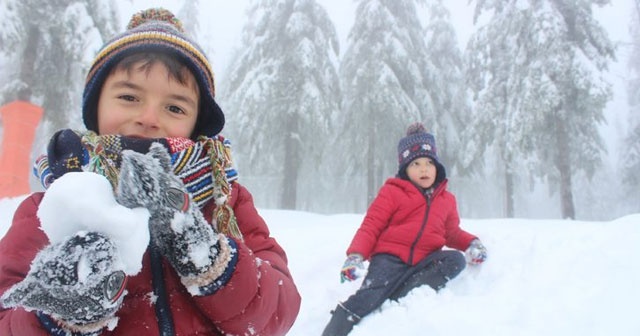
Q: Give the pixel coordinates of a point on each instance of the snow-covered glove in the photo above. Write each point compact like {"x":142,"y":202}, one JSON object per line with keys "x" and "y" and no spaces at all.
{"x":476,"y":253}
{"x":177,"y":227}
{"x":78,"y":282}
{"x":352,"y":268}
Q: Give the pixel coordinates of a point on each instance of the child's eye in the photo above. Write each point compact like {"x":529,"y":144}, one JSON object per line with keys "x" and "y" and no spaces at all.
{"x":176,"y":109}
{"x":127,"y":98}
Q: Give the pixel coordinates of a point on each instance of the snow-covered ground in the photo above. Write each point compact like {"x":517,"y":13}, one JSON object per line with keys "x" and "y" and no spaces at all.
{"x":543,"y":277}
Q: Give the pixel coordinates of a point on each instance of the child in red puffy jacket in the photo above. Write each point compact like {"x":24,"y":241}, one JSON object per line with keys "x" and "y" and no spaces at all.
{"x":403,"y":234}
{"x":208,"y":266}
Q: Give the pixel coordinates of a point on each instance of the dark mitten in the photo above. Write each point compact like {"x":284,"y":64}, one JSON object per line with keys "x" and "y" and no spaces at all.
{"x":79,"y":282}
{"x":177,"y":227}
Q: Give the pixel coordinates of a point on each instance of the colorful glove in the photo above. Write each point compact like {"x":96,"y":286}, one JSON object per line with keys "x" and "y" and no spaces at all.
{"x":352,"y":266}
{"x":177,"y":227}
{"x":79,"y":282}
{"x":476,"y":253}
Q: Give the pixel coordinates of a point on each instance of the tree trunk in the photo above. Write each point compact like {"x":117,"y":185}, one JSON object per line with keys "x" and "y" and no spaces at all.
{"x":508,"y":170}
{"x":27,"y":66}
{"x":509,"y":191}
{"x":563,"y":150}
{"x":563,"y":164}
{"x":291,"y":165}
{"x":369,"y":165}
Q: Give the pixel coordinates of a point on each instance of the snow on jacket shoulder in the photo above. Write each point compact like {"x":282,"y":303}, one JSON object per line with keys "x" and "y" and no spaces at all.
{"x":400,"y":222}
{"x":259,"y":299}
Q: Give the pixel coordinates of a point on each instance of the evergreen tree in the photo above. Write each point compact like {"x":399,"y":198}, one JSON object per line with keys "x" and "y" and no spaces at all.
{"x":631,"y":156}
{"x":46,"y":49}
{"x":9,"y":39}
{"x":104,"y":16}
{"x":444,"y":77}
{"x":493,"y":74}
{"x":282,"y":88}
{"x":10,"y":32}
{"x":189,"y":17}
{"x":385,"y":89}
{"x":536,"y":68}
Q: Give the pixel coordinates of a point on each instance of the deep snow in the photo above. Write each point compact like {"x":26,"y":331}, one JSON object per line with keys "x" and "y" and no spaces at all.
{"x":543,"y":277}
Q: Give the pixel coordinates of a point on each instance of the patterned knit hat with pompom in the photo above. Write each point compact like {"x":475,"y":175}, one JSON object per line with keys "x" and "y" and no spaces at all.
{"x":149,"y":31}
{"x":418,"y":143}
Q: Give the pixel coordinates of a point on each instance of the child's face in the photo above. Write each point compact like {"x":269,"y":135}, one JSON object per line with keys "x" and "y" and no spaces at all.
{"x":148,"y":103}
{"x":422,"y":171}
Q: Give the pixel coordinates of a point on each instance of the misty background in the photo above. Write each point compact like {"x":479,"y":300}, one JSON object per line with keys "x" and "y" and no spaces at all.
{"x":534,"y":104}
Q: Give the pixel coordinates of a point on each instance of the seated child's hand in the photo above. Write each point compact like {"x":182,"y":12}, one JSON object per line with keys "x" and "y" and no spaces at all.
{"x":476,"y":253}
{"x":352,"y":266}
{"x":79,"y":282}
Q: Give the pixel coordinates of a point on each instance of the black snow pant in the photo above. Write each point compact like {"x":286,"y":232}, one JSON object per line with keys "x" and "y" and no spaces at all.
{"x":388,"y":277}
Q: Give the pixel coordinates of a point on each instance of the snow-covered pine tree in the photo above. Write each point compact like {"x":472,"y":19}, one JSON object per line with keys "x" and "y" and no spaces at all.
{"x":494,"y":73}
{"x":10,"y":32}
{"x":631,"y":152}
{"x":104,"y":15}
{"x":46,"y":57}
{"x":446,"y":83}
{"x":9,"y":38}
{"x":282,"y":88}
{"x":188,"y":15}
{"x":384,"y":90}
{"x":537,"y":71}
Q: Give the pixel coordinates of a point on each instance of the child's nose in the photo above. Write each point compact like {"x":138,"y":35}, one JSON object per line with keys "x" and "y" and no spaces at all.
{"x":148,"y":117}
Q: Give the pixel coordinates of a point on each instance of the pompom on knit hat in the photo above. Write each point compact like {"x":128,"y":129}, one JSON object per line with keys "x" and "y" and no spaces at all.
{"x":418,"y":143}
{"x":149,"y":31}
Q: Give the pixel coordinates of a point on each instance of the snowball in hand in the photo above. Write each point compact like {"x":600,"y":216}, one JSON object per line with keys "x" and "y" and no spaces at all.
{"x":82,"y":201}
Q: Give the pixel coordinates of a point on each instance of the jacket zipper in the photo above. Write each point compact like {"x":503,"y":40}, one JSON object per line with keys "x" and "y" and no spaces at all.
{"x":162,"y":307}
{"x":422,"y":227}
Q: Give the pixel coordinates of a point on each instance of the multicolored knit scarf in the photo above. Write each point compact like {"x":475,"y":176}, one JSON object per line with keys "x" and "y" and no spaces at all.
{"x":204,"y":166}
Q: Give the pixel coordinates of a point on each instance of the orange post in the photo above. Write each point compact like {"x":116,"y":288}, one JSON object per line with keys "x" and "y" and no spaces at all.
{"x":20,"y":120}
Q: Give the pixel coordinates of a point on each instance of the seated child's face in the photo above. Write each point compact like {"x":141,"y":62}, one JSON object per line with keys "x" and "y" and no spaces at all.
{"x":147,"y":102}
{"x":422,"y":171}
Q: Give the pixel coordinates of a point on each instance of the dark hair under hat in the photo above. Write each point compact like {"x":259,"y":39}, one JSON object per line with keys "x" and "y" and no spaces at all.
{"x":155,"y":30}
{"x":418,"y":143}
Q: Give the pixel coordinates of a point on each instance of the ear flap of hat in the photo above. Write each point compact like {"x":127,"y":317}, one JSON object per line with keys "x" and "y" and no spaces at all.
{"x":210,"y":122}
{"x":441,"y":172}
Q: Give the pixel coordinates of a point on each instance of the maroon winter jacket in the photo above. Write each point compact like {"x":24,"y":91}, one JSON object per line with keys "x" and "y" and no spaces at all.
{"x":259,"y":299}
{"x":400,"y":221}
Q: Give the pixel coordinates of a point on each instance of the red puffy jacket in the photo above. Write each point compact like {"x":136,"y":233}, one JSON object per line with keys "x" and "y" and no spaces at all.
{"x":259,"y":299}
{"x":401,"y":221}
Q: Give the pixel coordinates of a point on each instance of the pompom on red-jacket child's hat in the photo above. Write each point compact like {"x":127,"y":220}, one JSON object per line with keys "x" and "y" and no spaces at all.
{"x":418,"y":143}
{"x":155,"y":30}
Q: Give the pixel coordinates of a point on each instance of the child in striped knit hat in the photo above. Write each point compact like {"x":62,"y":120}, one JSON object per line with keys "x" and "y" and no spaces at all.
{"x":210,"y":266}
{"x":403,"y":234}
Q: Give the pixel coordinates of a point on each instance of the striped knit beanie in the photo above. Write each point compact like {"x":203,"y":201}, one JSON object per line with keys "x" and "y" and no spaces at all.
{"x":155,"y":30}
{"x":418,"y":143}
